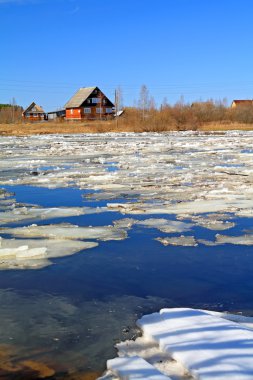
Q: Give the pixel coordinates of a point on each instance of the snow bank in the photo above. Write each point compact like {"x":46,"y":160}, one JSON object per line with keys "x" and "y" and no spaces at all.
{"x":184,"y":343}
{"x":208,"y":346}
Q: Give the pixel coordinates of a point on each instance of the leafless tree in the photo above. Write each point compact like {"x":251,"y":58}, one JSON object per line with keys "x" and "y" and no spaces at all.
{"x":143,"y":102}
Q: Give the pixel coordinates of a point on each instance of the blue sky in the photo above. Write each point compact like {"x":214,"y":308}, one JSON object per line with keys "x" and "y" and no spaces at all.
{"x":196,"y":48}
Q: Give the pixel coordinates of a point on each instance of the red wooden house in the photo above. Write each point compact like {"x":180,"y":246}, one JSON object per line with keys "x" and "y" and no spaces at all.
{"x":34,"y":113}
{"x":89,"y":103}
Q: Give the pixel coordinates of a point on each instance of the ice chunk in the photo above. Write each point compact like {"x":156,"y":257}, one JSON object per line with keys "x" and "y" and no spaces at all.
{"x":22,"y":254}
{"x":68,"y":231}
{"x":124,"y":223}
{"x":241,"y":240}
{"x":212,"y":223}
{"x":208,"y":346}
{"x":164,"y":225}
{"x":134,"y":368}
{"x":29,"y":213}
{"x":188,"y":241}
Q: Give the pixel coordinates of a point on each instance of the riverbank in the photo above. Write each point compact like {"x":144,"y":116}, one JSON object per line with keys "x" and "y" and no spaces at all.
{"x":45,"y":128}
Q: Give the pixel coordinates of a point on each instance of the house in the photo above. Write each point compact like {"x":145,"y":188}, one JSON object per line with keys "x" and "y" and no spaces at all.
{"x":241,"y":103}
{"x":89,"y":103}
{"x":34,"y":113}
{"x":54,"y":115}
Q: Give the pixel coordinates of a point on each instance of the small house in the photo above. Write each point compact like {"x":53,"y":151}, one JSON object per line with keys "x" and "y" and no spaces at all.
{"x":34,"y":113}
{"x":89,"y":103}
{"x":241,"y":103}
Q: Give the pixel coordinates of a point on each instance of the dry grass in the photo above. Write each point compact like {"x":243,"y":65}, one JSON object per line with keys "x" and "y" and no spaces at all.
{"x":45,"y":128}
{"x":225,"y":126}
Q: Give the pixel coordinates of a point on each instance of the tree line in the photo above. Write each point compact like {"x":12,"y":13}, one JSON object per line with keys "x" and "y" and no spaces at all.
{"x":146,"y":115}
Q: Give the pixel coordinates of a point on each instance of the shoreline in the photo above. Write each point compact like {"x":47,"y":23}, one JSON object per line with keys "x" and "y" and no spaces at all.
{"x":47,"y":128}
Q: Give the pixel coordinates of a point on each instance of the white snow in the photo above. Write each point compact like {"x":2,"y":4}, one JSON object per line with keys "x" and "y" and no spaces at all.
{"x":208,"y":346}
{"x":134,"y":368}
{"x":187,"y":344}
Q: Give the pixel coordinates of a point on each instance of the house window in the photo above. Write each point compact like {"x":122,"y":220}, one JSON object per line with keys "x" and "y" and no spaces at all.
{"x":104,"y":101}
{"x":87,"y":110}
{"x":99,"y":110}
{"x":96,"y":100}
{"x":89,"y":101}
{"x":71,"y":112}
{"x":108,"y":110}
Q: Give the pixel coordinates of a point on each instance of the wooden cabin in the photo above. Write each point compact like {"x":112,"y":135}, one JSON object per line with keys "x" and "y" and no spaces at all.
{"x":89,"y":103}
{"x":34,"y":113}
{"x":241,"y":103}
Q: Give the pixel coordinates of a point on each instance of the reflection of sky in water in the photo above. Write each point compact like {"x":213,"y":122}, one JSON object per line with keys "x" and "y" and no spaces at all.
{"x":76,"y":310}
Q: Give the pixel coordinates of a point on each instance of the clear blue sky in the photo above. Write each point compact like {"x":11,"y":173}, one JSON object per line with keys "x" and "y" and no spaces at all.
{"x":196,"y":48}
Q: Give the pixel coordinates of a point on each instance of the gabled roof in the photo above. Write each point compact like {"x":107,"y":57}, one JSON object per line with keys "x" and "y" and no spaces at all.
{"x":80,"y":96}
{"x":38,"y":109}
{"x":243,"y":101}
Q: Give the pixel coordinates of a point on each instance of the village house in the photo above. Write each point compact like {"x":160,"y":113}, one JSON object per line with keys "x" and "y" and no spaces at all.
{"x":240,"y":103}
{"x":34,"y":113}
{"x":89,"y":103}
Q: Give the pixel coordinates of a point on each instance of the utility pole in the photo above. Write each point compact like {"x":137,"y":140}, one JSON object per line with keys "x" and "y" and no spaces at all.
{"x":116,"y":107}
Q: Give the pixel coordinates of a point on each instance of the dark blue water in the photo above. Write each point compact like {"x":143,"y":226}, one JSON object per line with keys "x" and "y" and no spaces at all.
{"x":135,"y":269}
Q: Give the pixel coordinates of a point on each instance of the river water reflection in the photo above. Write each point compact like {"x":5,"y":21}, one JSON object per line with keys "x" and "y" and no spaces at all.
{"x":69,"y":315}
{"x":62,"y":320}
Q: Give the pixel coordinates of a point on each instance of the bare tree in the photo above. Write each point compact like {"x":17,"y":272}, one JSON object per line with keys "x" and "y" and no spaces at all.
{"x":151,"y":103}
{"x":119,"y":98}
{"x":144,"y":100}
{"x":165,"y":103}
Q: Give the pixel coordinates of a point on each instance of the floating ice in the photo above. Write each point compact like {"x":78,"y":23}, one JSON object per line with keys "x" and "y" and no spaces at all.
{"x":187,"y":241}
{"x":164,"y":225}
{"x":34,"y":254}
{"x":207,"y":173}
{"x":134,"y":367}
{"x":241,"y":240}
{"x":212,"y":223}
{"x":188,"y":343}
{"x":30,"y":213}
{"x":68,"y":231}
{"x":206,"y":345}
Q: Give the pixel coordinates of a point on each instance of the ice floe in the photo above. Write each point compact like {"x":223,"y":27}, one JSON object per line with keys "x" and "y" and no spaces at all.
{"x":241,"y":240}
{"x":187,"y":241}
{"x":166,"y":173}
{"x":164,"y":225}
{"x":29,"y":213}
{"x":35,"y":253}
{"x":192,"y":177}
{"x":67,"y":231}
{"x":184,"y":343}
{"x":212,"y":222}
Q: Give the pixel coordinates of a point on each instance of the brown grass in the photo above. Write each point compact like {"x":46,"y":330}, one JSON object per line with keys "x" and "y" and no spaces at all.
{"x":207,"y":117}
{"x":110,"y":126}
